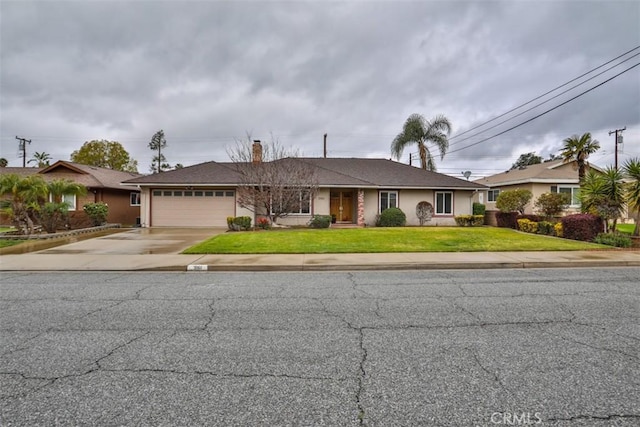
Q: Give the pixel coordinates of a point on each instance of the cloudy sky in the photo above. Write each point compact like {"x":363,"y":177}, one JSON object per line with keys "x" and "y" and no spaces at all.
{"x":208,"y":72}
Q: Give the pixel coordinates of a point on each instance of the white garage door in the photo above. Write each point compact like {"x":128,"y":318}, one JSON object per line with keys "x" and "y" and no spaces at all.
{"x":191,"y":208}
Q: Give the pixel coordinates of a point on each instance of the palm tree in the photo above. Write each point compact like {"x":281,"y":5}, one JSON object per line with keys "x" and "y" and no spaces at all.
{"x":41,"y":158}
{"x":56,"y":212}
{"x":579,"y":148}
{"x":631,"y":170}
{"x":417,"y":130}
{"x":602,"y":194}
{"x":24,"y":194}
{"x":58,"y":188}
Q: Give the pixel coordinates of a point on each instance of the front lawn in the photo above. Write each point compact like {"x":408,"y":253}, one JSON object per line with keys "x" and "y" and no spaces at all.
{"x":5,"y":243}
{"x":377,"y":240}
{"x":625,"y":228}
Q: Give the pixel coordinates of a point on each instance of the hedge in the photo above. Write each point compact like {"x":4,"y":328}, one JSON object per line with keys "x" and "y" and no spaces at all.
{"x":469,"y":220}
{"x":583,"y":227}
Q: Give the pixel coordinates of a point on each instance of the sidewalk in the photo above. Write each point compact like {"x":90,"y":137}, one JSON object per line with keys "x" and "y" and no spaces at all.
{"x":318,"y":262}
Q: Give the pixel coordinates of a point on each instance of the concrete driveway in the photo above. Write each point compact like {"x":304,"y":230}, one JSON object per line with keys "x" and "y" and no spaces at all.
{"x":139,"y":241}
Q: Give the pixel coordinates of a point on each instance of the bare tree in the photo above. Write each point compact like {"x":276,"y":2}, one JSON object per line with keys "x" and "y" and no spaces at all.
{"x":274,"y":181}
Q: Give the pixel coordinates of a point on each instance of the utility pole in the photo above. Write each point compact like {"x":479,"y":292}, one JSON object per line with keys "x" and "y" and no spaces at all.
{"x":22,"y":146}
{"x":618,"y":141}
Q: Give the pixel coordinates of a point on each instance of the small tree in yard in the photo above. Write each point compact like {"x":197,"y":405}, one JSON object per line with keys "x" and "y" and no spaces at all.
{"x":513,"y":200}
{"x":551,"y":204}
{"x":424,"y":212}
{"x":274,"y":182}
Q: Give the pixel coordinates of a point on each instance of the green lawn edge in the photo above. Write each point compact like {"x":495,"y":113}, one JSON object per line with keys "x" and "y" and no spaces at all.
{"x":384,"y":240}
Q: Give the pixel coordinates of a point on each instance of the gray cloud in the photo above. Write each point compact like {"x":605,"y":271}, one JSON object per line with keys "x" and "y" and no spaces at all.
{"x":207,"y":72}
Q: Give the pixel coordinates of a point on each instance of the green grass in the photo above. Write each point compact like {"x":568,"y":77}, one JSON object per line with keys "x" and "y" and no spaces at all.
{"x":5,"y":229}
{"x":5,"y":243}
{"x":377,"y":240}
{"x":625,"y":228}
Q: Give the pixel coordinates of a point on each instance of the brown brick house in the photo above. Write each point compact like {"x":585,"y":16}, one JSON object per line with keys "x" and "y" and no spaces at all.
{"x":103,"y":185}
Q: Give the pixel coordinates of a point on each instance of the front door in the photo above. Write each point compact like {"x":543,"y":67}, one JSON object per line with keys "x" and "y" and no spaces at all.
{"x":341,"y":205}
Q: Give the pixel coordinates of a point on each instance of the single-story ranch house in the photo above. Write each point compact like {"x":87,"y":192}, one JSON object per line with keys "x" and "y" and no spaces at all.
{"x":355,"y":190}
{"x":103,"y":185}
{"x":553,"y":176}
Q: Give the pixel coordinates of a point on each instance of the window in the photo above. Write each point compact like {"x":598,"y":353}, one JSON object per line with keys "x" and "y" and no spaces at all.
{"x":572,"y":191}
{"x":493,"y":195}
{"x":388,"y":199}
{"x":166,"y":193}
{"x":198,"y":193}
{"x":134,"y":198}
{"x":219,"y":193}
{"x":157,"y":193}
{"x":69,"y":199}
{"x":303,"y":206}
{"x":208,"y":194}
{"x":177,"y":194}
{"x":229,"y":193}
{"x":444,"y":203}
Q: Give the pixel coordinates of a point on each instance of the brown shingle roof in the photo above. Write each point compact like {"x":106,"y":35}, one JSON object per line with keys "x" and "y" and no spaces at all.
{"x":89,"y":176}
{"x":353,"y":172}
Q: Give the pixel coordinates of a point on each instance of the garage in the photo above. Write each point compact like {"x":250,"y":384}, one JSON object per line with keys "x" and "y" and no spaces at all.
{"x":191,"y":208}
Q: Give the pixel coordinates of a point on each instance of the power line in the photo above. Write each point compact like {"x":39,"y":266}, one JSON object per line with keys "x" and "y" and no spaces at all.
{"x":550,"y":91}
{"x":543,"y":113}
{"x":542,"y":103}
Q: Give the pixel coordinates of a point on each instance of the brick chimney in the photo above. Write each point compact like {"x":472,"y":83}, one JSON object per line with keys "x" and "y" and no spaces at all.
{"x":257,"y":151}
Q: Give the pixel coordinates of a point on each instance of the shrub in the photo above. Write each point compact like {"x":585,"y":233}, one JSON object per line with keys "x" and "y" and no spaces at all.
{"x":552,"y":204}
{"x":478,"y":208}
{"x":546,"y":227}
{"x":264,"y":223}
{"x":507,"y":219}
{"x":558,"y":229}
{"x":239,"y":223}
{"x":52,"y":216}
{"x":534,"y":218}
{"x":583,"y":227}
{"x":469,"y":220}
{"x":392,"y":217}
{"x":513,"y":200}
{"x":527,"y":226}
{"x":320,"y":221}
{"x":97,"y":212}
{"x":613,"y":239}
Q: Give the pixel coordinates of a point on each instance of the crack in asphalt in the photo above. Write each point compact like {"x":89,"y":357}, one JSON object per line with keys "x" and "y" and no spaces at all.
{"x":53,"y":380}
{"x":494,"y":375}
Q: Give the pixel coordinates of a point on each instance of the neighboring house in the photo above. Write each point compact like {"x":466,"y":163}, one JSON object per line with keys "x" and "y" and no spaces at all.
{"x":355,"y":190}
{"x":103,"y":185}
{"x":554,"y":176}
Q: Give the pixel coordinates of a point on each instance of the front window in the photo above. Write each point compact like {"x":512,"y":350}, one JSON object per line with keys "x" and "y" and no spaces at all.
{"x":69,"y":199}
{"x":492,"y":195}
{"x":444,"y":203}
{"x":134,"y":199}
{"x":388,"y":199}
{"x":573,"y":192}
{"x":300,"y":205}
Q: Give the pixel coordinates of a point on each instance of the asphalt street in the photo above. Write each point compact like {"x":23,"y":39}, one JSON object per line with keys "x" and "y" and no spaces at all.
{"x":550,"y":347}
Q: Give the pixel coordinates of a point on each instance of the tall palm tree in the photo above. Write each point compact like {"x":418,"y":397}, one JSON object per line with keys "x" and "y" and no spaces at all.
{"x":579,"y":148}
{"x":417,"y":130}
{"x":41,"y":158}
{"x":631,"y":170}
